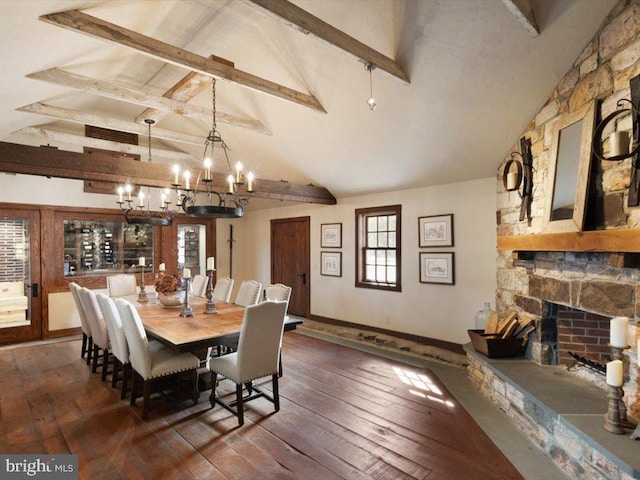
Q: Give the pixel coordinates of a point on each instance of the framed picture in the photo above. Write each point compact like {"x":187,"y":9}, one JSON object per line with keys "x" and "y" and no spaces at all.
{"x":437,"y":268}
{"x":331,"y":264}
{"x":331,"y":235}
{"x":435,"y":231}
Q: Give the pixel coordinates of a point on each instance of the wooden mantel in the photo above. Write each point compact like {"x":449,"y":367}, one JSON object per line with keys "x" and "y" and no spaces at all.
{"x":621,"y":240}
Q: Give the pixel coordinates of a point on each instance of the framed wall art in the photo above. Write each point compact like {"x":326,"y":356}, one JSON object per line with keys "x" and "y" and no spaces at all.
{"x":435,"y":231}
{"x":331,"y":264}
{"x":437,"y":267}
{"x":331,"y":235}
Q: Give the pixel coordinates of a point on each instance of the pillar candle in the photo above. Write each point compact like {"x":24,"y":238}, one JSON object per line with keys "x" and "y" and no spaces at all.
{"x":141,"y":261}
{"x":619,"y":143}
{"x":211,"y":263}
{"x":614,"y":373}
{"x":162,"y":267}
{"x":186,"y":273}
{"x":618,"y":334}
{"x":512,"y":179}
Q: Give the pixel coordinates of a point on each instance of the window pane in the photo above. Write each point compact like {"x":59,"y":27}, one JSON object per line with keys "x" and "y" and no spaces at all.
{"x":382,"y":239}
{"x":370,"y":257}
{"x":392,"y":223}
{"x":372,"y":240}
{"x":372,"y":224}
{"x":392,"y":240}
{"x":381,"y":273}
{"x":380,"y":257}
{"x":370,"y":275}
{"x":391,"y":274}
{"x":382,"y":223}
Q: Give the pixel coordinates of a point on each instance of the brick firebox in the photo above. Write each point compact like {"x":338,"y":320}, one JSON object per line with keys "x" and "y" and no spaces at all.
{"x":583,"y":333}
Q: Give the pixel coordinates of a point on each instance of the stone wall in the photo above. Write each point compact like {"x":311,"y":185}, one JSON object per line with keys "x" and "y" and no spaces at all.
{"x":592,"y":282}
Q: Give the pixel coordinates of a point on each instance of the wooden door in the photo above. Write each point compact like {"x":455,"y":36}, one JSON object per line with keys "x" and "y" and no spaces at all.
{"x":20,"y":287}
{"x":290,"y":260}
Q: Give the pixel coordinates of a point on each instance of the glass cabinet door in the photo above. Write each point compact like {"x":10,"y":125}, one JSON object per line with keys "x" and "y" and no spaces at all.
{"x":192,"y":248}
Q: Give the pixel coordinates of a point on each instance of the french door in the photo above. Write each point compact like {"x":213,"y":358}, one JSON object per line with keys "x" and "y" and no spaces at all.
{"x":290,"y":260}
{"x":20,"y":292}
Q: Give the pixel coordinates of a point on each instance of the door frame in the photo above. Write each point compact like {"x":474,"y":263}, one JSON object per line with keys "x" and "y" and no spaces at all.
{"x":33,"y":331}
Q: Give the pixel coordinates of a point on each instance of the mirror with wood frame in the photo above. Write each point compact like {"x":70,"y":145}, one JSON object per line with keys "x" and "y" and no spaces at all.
{"x":569,"y":167}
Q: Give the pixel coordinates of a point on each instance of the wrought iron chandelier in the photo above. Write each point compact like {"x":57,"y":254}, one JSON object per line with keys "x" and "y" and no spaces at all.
{"x":135,"y":212}
{"x":226,"y":203}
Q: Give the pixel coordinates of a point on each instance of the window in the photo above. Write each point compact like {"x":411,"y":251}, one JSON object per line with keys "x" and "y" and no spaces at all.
{"x":378,"y":246}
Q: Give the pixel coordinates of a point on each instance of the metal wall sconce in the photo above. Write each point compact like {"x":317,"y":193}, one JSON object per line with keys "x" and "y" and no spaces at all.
{"x":517,"y":175}
{"x":619,"y":140}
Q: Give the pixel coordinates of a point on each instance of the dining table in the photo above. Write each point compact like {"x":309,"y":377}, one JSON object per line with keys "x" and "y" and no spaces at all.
{"x":202,"y":330}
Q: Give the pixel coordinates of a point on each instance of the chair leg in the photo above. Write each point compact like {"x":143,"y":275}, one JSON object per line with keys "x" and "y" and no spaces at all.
{"x":83,"y":350}
{"x":89,"y":350}
{"x":239,"y":404}
{"x":126,"y":373}
{"x":116,"y":371}
{"x":105,"y":363}
{"x":195,"y":392}
{"x":134,"y":387}
{"x":146,"y":398}
{"x":212,"y":396}
{"x":280,"y":365}
{"x":276,"y":392}
{"x":96,"y":355}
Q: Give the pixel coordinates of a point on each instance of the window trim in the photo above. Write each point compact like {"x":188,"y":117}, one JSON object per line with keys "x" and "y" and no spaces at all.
{"x":360,"y":214}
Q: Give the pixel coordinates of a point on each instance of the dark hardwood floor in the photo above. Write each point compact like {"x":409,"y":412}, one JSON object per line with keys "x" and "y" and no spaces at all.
{"x":344,"y":414}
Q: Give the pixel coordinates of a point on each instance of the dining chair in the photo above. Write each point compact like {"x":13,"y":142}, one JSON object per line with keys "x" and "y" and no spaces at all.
{"x":222,"y":290}
{"x":282,"y":293}
{"x":249,"y":293}
{"x":256,"y":357}
{"x":99,"y":331}
{"x":87,"y":341}
{"x":118,"y":341}
{"x":151,"y":361}
{"x":122,"y":285}
{"x":199,"y":285}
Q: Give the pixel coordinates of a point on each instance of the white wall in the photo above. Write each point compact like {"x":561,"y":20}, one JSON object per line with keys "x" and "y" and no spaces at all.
{"x":436,"y":311}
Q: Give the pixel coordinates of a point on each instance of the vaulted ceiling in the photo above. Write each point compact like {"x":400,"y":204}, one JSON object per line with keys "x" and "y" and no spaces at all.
{"x":477,"y":73}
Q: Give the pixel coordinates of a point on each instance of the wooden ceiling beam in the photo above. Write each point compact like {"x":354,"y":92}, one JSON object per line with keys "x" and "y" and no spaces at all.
{"x":138,"y":97}
{"x":303,"y":21}
{"x":187,"y":88}
{"x":51,"y":162}
{"x":108,"y":122}
{"x":523,"y":11}
{"x":55,"y":136}
{"x":81,"y":22}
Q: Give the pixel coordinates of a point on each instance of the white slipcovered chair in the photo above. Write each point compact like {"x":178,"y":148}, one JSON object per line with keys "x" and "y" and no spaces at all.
{"x":222,"y":290}
{"x":281,"y":293}
{"x":117,"y":340}
{"x":257,"y":357}
{"x":152,"y":360}
{"x":249,"y":293}
{"x":122,"y":285}
{"x":99,"y":331}
{"x":87,"y":341}
{"x":199,"y":285}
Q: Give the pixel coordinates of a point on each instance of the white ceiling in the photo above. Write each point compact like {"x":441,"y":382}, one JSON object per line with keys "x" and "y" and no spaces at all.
{"x":477,"y":78}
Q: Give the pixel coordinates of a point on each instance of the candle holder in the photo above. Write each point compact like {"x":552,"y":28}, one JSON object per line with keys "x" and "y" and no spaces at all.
{"x":613,"y":413}
{"x":210,"y":307}
{"x":142,"y":296}
{"x":186,"y":308}
{"x":624,"y":420}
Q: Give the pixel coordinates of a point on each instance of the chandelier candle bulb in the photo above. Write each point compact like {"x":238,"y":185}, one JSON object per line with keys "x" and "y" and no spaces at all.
{"x":162,"y":267}
{"x":230,"y":181}
{"x":207,"y":169}
{"x":211,"y":263}
{"x":141,"y":261}
{"x":186,"y":273}
{"x":187,"y":179}
{"x":176,"y":172}
{"x":238,"y":171}
{"x":619,"y":327}
{"x":141,"y":199}
{"x":120,"y":193}
{"x":128,"y":189}
{"x":614,"y":373}
{"x":250,"y":181}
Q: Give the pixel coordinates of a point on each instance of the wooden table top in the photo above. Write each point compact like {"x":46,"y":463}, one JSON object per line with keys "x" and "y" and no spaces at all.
{"x":200,"y":331}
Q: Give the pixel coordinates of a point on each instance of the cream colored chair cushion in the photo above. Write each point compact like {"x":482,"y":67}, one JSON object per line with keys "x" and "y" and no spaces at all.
{"x":122,"y":285}
{"x":75,"y":289}
{"x":222,"y":290}
{"x":119,"y":347}
{"x":278,"y":292}
{"x":199,"y":285}
{"x":95,"y":319}
{"x":249,"y":293}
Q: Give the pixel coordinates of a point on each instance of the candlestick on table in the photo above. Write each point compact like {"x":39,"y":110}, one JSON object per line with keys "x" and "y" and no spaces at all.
{"x":142,"y":296}
{"x":618,"y":356}
{"x":186,"y":308}
{"x":211,"y":304}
